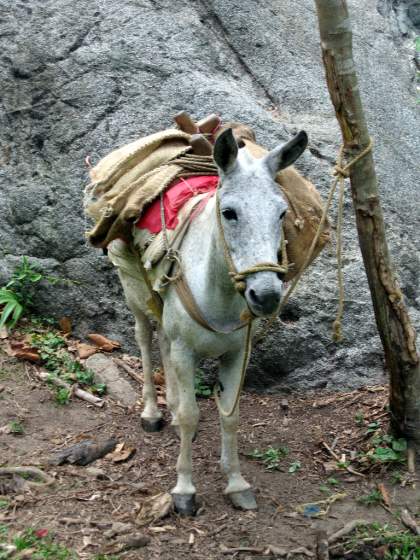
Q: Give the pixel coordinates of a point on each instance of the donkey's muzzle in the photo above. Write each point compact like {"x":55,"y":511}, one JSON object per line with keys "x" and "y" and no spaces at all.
{"x":263,"y":298}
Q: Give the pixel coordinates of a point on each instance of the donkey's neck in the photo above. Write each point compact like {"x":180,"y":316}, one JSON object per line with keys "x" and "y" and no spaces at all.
{"x":208,"y":273}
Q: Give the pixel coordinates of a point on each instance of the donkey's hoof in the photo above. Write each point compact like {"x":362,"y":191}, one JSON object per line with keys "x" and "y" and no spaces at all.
{"x":152,"y":424}
{"x":243,"y":500}
{"x":185,"y":504}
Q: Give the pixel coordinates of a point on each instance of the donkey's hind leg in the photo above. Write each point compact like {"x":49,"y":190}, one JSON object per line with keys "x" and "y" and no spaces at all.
{"x":151,"y":417}
{"x":171,"y":383}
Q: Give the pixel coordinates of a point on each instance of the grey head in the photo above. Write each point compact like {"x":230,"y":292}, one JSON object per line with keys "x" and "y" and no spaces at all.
{"x":252,"y":212}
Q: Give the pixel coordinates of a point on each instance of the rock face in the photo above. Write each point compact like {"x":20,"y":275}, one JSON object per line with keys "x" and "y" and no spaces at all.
{"x":84,"y":77}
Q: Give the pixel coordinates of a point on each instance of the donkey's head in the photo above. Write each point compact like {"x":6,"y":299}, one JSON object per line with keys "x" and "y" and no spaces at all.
{"x":252,"y":210}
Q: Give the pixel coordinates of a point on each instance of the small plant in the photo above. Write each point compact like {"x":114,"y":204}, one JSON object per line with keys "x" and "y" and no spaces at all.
{"x":16,"y":427}
{"x":294,"y":467}
{"x":62,"y":396}
{"x":59,"y":363}
{"x":201,"y":387}
{"x":271,"y":457}
{"x":388,"y":449}
{"x":359,"y":418}
{"x":16,"y":296}
{"x":373,"y":427}
{"x":332,"y":481}
{"x":374,"y":498}
{"x":42,"y":546}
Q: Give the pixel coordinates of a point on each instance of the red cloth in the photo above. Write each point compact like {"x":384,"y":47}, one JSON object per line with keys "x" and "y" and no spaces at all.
{"x":174,"y":198}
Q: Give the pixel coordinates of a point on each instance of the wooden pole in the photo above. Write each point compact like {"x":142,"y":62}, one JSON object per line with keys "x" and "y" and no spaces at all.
{"x":395,"y":329}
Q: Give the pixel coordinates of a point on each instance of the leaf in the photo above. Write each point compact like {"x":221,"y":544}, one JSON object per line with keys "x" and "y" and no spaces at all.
{"x":384,"y":494}
{"x":65,"y":325}
{"x":104,"y":343}
{"x":85,"y":350}
{"x":121,"y":453}
{"x":399,"y":445}
{"x":159,"y":378}
{"x":385,"y":454}
{"x":154,"y":508}
{"x":4,"y":333}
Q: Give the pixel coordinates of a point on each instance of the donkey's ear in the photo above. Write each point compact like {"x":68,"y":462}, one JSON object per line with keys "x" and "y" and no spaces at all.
{"x":285,"y":155}
{"x":225,"y":151}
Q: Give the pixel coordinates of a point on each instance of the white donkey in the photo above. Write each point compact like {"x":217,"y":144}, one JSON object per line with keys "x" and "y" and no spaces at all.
{"x":246,"y":232}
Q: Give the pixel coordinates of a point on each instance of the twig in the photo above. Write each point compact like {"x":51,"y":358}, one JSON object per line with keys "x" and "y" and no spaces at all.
{"x":411,"y":459}
{"x":348,"y":528}
{"x":322,"y":549}
{"x":253,"y":549}
{"x":73,"y":389}
{"x":46,"y":480}
{"x":337,"y":458}
{"x":410,"y":522}
{"x":129,"y":370}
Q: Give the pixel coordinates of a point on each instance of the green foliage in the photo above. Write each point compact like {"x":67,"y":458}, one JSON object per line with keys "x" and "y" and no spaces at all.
{"x":388,"y":449}
{"x":271,"y":457}
{"x":359,"y":418}
{"x":294,"y":467}
{"x":373,"y":427}
{"x":16,"y":296}
{"x":374,"y":498}
{"x":62,"y":396}
{"x":43,"y":547}
{"x":16,"y":427}
{"x":400,"y":545}
{"x":60,"y":363}
{"x":333,"y":481}
{"x":4,"y":504}
{"x":201,"y":387}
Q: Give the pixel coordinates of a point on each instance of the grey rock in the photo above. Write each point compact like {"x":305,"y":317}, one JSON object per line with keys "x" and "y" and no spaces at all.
{"x":107,"y":372}
{"x":84,"y":77}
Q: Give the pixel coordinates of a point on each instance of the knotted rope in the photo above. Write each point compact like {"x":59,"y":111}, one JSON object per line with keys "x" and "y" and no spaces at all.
{"x":341,"y":173}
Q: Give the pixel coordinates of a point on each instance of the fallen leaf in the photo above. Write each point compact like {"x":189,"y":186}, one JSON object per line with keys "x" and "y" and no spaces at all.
{"x":159,"y":378}
{"x":85,"y":350}
{"x":5,"y":429}
{"x":4,"y":333}
{"x":65,"y":325}
{"x":385,"y":495}
{"x":154,"y":508}
{"x":121,"y":453}
{"x":104,"y":343}
{"x":20,"y":349}
{"x":41,"y":533}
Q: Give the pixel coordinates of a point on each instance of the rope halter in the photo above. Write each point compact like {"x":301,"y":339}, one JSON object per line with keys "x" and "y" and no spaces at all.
{"x":238,"y":277}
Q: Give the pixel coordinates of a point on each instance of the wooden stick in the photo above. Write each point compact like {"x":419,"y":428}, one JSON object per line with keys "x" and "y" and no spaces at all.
{"x":322,"y":549}
{"x":129,"y":370}
{"x":337,"y":458}
{"x":393,"y":322}
{"x":348,"y":528}
{"x":31,"y":471}
{"x":73,"y":389}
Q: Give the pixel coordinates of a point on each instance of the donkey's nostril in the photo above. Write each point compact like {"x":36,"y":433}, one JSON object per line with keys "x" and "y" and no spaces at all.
{"x":253,"y":296}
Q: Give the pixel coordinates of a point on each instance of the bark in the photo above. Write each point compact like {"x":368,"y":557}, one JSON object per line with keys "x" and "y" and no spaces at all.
{"x":395,"y":329}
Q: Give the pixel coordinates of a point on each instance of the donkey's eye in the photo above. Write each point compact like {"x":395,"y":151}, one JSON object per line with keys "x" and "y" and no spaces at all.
{"x":282,"y":215}
{"x":230,"y":214}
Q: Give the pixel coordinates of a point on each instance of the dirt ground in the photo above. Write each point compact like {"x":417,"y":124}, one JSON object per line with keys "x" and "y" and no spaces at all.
{"x":78,"y":508}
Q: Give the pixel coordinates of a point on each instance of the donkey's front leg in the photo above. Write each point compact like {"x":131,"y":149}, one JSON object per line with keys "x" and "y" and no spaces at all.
{"x":184,"y":364}
{"x":238,"y":489}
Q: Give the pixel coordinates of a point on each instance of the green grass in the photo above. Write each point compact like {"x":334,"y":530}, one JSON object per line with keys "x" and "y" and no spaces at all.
{"x":271,"y":457}
{"x":44,"y":548}
{"x":400,"y":545}
{"x":374,"y":498}
{"x":16,"y":427}
{"x":60,"y":363}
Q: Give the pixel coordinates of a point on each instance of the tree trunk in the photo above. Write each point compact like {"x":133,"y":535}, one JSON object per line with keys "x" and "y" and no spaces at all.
{"x":395,"y":329}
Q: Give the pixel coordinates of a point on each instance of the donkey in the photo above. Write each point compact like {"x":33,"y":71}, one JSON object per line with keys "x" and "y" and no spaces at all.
{"x":248,"y":210}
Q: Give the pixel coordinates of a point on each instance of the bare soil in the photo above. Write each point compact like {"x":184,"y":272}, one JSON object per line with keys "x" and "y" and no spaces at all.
{"x":78,"y":508}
